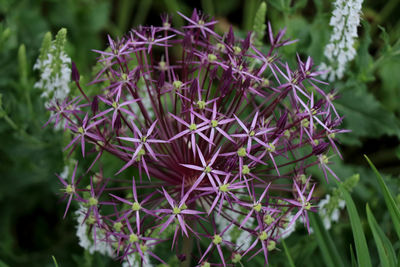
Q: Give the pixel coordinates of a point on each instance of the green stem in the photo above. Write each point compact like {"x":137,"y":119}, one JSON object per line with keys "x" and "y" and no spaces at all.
{"x":10,"y":122}
{"x":249,"y":12}
{"x":27,"y":94}
{"x":125,"y":10}
{"x":377,"y":63}
{"x":142,"y":11}
{"x":387,"y":10}
{"x":55,"y":261}
{"x":290,"y":260}
{"x":389,"y":7}
{"x":20,"y":131}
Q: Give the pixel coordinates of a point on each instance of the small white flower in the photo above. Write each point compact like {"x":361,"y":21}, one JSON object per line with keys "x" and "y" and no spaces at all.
{"x":342,"y":204}
{"x":324,"y":201}
{"x":332,"y":215}
{"x":340,"y":50}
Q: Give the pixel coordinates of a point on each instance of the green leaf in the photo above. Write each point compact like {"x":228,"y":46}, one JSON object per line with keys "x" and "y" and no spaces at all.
{"x":3,"y":264}
{"x":282,"y":6}
{"x":298,"y":5}
{"x":55,"y":261}
{"x":385,"y":38}
{"x":364,"y":115}
{"x":353,"y":258}
{"x":364,"y":59}
{"x":385,"y":248}
{"x":363,"y":257}
{"x":390,"y":202}
{"x":398,"y":260}
{"x":328,"y":249}
{"x":388,"y":50}
{"x":319,"y":36}
{"x":386,"y":66}
{"x":389,"y":92}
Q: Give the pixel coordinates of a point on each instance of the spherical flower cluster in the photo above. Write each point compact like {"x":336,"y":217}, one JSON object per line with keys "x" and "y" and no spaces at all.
{"x":340,"y":50}
{"x":231,"y":134}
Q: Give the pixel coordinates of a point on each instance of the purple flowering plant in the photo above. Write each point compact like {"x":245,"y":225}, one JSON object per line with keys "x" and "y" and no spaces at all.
{"x":213,"y":127}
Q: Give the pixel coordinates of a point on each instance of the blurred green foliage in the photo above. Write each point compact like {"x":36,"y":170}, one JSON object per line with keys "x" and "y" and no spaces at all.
{"x":31,"y":225}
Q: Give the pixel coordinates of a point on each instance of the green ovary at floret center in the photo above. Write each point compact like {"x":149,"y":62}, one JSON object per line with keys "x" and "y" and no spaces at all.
{"x":193,"y":127}
{"x":242,"y":152}
{"x":224,"y":188}
{"x":176,"y":210}
{"x":136,"y":206}
{"x":217,"y":239}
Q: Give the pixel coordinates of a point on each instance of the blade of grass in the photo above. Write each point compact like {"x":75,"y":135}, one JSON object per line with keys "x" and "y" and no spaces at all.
{"x":398,"y":260}
{"x":385,"y":248}
{"x":328,"y":249}
{"x":249,"y":11}
{"x":390,"y":203}
{"x":363,"y":257}
{"x":287,"y":252}
{"x":55,"y":261}
{"x":125,"y":11}
{"x":142,"y":12}
{"x":353,"y":258}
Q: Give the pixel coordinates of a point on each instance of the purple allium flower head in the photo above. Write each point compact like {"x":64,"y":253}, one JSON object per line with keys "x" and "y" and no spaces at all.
{"x":214,"y":129}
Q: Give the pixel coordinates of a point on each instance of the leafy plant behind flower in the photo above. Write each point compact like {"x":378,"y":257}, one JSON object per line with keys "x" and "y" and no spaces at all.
{"x":223,"y":138}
